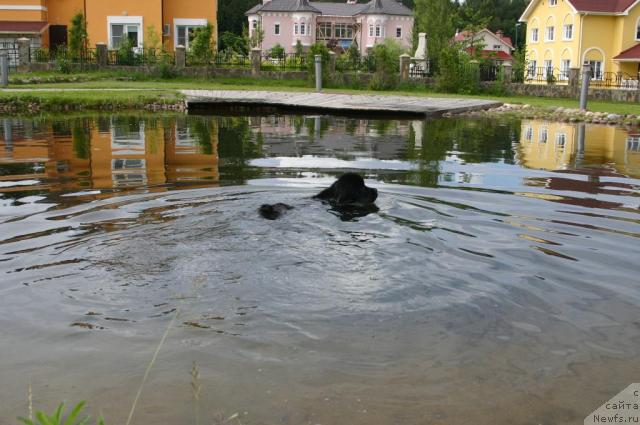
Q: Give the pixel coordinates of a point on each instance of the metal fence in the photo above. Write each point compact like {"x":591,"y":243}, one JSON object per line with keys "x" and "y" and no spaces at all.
{"x":548,"y":75}
{"x":284,"y":62}
{"x":344,"y":63}
{"x":12,"y":52}
{"x":615,"y":80}
{"x":43,"y":55}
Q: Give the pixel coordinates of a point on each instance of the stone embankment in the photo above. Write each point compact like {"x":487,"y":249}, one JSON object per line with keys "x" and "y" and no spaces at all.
{"x":568,"y":115}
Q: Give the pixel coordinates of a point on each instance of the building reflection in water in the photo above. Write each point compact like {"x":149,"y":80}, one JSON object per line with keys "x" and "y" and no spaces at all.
{"x":110,"y":152}
{"x":565,"y":146}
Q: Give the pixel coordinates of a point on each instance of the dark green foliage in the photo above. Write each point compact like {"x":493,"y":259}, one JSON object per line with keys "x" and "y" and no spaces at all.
{"x":78,"y":38}
{"x":456,"y":71}
{"x":201,"y":46}
{"x":277,"y":51}
{"x":230,"y":42}
{"x":386,"y":57}
{"x":81,"y":139}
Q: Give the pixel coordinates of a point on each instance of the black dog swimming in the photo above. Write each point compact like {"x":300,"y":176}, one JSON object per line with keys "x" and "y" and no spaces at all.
{"x":348,"y":195}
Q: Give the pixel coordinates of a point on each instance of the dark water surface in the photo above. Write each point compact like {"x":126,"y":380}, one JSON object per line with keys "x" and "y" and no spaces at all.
{"x":497,"y":284}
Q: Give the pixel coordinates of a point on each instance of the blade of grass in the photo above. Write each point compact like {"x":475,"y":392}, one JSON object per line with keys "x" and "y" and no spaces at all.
{"x":74,"y":413}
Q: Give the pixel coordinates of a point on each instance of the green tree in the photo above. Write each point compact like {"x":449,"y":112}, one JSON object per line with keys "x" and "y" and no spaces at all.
{"x":436,"y":18}
{"x":201,"y":46}
{"x":78,"y":38}
{"x":386,"y":59}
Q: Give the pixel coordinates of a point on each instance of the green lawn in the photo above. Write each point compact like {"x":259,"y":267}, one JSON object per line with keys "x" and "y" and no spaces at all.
{"x":151,"y":89}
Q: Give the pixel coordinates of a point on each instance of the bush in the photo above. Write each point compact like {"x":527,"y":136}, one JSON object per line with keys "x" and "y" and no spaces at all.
{"x":456,"y":73}
{"x":386,"y":58}
{"x":276,"y":51}
{"x":230,"y":42}
{"x":201,"y":46}
{"x":62,"y":61}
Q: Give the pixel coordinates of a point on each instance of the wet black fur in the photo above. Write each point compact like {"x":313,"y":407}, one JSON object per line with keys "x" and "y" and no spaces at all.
{"x":348,"y":195}
{"x":273,"y":212}
{"x":349,"y":190}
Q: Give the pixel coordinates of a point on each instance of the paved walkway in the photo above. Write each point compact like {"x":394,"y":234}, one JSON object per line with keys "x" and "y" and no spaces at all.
{"x":338,"y":102}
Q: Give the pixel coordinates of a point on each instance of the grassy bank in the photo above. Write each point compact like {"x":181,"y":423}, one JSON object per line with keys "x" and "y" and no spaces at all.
{"x":147,"y":91}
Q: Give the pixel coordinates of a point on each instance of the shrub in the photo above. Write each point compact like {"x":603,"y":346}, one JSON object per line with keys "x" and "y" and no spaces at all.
{"x":386,"y":58}
{"x":230,"y":42}
{"x":78,"y":37}
{"x":62,"y":61}
{"x":277,"y":51}
{"x":456,"y":73}
{"x":201,"y":46}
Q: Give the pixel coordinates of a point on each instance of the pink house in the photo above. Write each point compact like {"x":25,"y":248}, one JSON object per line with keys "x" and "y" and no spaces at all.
{"x":285,"y":22}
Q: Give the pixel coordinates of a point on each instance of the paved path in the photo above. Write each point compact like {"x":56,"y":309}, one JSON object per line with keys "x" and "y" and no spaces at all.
{"x":338,"y":102}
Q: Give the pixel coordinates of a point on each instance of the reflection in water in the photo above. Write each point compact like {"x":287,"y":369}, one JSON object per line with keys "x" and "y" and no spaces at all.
{"x":495,"y":283}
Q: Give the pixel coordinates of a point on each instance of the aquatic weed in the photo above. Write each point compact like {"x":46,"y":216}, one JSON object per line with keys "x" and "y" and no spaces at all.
{"x":57,"y":418}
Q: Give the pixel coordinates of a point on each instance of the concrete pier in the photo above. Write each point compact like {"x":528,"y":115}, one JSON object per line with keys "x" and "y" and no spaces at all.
{"x":330,"y":102}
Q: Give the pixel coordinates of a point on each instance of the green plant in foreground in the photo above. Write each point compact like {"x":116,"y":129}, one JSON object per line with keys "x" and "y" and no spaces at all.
{"x":57,"y":419}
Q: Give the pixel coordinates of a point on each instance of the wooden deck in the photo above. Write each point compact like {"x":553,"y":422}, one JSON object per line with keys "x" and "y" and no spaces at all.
{"x":394,"y":105}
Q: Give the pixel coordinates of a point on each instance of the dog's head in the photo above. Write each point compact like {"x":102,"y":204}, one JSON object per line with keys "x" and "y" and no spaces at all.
{"x":349,"y":189}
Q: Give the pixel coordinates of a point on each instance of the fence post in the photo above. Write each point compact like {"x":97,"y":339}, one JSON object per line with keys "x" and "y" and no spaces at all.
{"x":24,"y":53}
{"x":4,"y":69}
{"x":405,"y":60}
{"x":586,"y":79}
{"x":332,"y":63}
{"x":318,"y":63}
{"x":102,"y":55}
{"x":256,"y":60}
{"x":507,"y":72}
{"x":574,"y":80}
{"x":181,"y":57}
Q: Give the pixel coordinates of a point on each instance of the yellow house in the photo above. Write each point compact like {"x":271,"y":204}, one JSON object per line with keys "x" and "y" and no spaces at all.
{"x":46,"y":22}
{"x":564,"y":34}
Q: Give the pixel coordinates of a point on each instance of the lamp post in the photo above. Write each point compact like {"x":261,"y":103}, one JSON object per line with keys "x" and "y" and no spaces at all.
{"x":517,"y":27}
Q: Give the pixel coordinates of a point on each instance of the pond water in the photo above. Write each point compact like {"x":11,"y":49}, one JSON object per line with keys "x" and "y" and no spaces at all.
{"x":497,"y":283}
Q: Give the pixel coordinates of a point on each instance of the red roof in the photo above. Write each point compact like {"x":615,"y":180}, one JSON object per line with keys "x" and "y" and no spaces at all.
{"x":605,"y":6}
{"x":18,"y":27}
{"x":630,"y":54}
{"x":492,"y":54}
{"x":465,"y":35}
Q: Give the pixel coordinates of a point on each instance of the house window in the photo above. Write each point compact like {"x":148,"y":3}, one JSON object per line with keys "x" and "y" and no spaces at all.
{"x":344,"y":31}
{"x":378,"y":30}
{"x":185,"y":34}
{"x":295,"y":29}
{"x":564,"y":69}
{"x":254,"y":24}
{"x":638,"y":32}
{"x":553,"y":2}
{"x":544,"y":135}
{"x":568,"y":31}
{"x":551,"y":33}
{"x":596,"y":70}
{"x":121,"y":32}
{"x":370,"y":30}
{"x":532,"y":71}
{"x":324,"y":30}
{"x":399,"y":32}
{"x":276,"y":29}
{"x":303,"y":28}
{"x":548,"y":68}
{"x":561,"y":140}
{"x":496,"y":47}
{"x":534,"y":35}
{"x":528,"y":133}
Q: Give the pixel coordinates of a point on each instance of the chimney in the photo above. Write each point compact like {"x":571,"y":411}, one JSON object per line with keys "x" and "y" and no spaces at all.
{"x":500,"y":34}
{"x":265,"y":1}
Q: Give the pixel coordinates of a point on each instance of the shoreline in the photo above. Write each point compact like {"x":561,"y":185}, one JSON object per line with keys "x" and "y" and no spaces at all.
{"x":559,"y":114}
